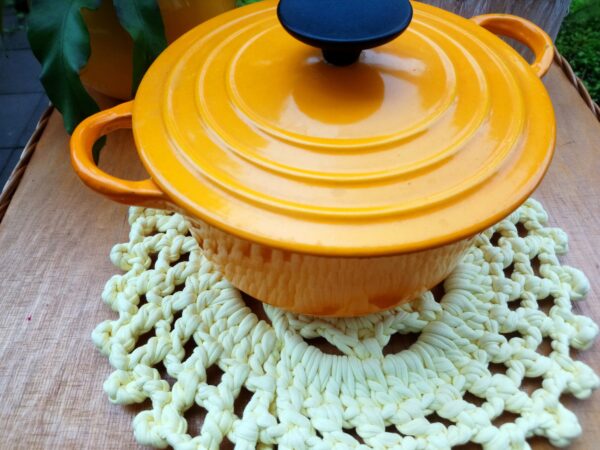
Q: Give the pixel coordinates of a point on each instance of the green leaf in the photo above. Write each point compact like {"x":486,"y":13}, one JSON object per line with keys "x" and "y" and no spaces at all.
{"x":579,"y":42}
{"x":61,"y":42}
{"x":143,"y":22}
{"x":239,"y":3}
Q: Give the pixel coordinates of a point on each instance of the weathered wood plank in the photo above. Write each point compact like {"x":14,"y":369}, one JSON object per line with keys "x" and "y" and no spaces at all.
{"x":548,"y":14}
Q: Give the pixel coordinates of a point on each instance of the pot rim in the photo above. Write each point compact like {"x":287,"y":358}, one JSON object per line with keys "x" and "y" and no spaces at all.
{"x":170,"y":185}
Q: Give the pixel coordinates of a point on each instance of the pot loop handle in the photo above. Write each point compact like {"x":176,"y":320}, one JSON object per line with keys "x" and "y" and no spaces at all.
{"x":141,"y":193}
{"x":525,"y":32}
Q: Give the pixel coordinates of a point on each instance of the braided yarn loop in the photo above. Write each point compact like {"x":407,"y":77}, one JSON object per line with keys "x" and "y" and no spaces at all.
{"x":211,"y":366}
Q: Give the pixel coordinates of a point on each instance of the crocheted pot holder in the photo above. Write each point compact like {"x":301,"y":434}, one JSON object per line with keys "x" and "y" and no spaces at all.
{"x":188,"y":341}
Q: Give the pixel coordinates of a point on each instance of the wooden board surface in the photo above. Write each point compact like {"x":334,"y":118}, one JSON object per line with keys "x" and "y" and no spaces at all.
{"x":55,"y":241}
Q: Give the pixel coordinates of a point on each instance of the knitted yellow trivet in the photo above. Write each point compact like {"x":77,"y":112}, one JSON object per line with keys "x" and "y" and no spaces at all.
{"x":476,"y":348}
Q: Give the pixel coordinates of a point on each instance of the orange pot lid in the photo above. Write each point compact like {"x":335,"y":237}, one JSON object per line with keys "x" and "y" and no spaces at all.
{"x":425,"y":140}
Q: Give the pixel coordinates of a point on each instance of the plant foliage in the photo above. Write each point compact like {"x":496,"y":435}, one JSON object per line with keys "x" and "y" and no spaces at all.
{"x":579,"y":42}
{"x":61,"y":42}
{"x":143,"y":22}
{"x":245,"y":2}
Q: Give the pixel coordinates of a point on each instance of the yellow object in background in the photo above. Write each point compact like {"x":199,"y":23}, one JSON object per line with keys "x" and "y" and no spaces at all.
{"x":109,"y":68}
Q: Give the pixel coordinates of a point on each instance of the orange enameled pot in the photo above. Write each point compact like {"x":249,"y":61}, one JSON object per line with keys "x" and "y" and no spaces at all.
{"x":344,"y":182}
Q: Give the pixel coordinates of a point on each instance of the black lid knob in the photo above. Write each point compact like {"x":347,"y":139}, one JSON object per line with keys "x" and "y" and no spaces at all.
{"x":343,"y":28}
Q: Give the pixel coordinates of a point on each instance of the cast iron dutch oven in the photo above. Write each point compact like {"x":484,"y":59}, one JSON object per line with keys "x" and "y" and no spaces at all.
{"x":336,"y":157}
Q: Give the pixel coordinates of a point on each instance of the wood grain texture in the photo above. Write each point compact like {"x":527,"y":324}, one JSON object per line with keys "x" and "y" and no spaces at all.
{"x":55,"y":240}
{"x":548,"y":14}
